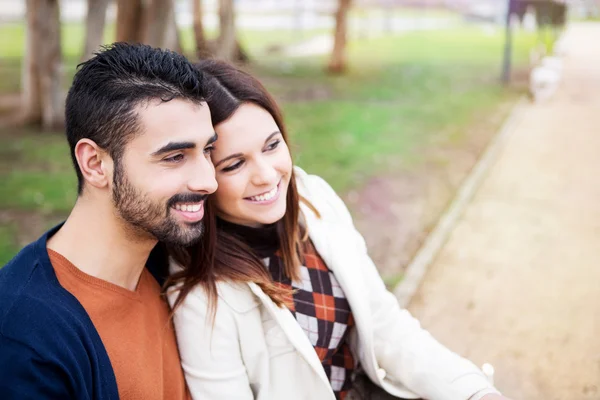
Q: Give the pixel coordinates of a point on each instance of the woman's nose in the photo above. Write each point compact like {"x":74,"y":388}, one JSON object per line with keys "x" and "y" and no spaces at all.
{"x":264,"y":174}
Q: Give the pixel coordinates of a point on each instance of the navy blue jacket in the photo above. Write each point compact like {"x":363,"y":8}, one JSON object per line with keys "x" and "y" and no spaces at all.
{"x":49,"y":347}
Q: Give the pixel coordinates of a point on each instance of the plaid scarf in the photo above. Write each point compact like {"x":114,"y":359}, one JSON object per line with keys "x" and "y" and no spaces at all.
{"x":318,"y":302}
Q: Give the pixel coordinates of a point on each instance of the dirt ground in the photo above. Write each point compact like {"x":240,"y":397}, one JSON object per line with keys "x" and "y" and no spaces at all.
{"x":395,"y":212}
{"x":517,"y":283}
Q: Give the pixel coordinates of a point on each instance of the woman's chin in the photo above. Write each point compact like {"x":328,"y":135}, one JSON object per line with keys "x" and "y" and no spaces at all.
{"x":270,"y":217}
{"x":268,"y":220}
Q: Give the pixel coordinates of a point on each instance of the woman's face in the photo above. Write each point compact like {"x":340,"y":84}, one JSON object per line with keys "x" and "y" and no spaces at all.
{"x":253,"y":168}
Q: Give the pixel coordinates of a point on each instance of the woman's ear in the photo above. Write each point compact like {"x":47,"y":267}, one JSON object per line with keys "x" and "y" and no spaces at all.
{"x":94,"y":163}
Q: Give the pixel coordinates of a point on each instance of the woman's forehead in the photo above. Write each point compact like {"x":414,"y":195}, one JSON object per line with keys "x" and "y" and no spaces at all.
{"x":249,"y":125}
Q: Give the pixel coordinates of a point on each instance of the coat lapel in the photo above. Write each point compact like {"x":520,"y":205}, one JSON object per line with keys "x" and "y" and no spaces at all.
{"x":334,"y":245}
{"x":329,"y":241}
{"x":292,"y":330}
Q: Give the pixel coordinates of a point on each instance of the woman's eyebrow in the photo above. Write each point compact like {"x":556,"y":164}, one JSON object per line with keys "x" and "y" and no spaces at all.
{"x":236,"y":155}
{"x":271,"y":135}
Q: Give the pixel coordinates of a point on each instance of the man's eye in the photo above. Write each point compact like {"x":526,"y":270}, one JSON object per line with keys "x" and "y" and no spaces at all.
{"x":208,"y":150}
{"x":273,"y":145}
{"x":174,"y":159}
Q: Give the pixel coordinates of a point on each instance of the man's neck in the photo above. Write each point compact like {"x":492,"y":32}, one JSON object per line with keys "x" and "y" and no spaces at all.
{"x":96,"y":241}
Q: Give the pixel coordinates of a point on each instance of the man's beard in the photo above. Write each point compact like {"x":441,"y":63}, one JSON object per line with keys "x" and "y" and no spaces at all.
{"x":154,"y":218}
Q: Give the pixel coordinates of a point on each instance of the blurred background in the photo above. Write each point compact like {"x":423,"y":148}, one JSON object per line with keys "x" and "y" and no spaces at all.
{"x":394,"y":102}
{"x":391,"y":101}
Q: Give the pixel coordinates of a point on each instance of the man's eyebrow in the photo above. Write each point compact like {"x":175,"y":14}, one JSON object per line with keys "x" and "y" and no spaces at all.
{"x":172,"y":146}
{"x":212,"y":139}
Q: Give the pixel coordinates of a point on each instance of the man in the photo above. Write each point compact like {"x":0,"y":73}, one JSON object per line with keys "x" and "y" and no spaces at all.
{"x":81,"y":317}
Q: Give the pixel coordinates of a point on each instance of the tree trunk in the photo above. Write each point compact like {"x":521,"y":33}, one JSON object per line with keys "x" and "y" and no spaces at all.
{"x":130,"y":19}
{"x":241,"y":56}
{"x":161,"y":14}
{"x":42,"y":95}
{"x":202,"y":49}
{"x":226,"y":42}
{"x":338,"y":63}
{"x":148,"y":21}
{"x":30,"y":85}
{"x":94,"y":27}
{"x":172,"y":38}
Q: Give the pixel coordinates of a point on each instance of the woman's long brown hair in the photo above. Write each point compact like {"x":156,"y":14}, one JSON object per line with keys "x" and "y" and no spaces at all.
{"x":221,"y":256}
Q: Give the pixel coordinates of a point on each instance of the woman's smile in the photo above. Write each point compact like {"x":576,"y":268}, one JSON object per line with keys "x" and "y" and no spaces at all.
{"x":266,"y":198}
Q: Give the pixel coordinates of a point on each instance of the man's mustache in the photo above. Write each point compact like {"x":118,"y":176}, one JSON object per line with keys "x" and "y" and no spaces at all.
{"x":186,"y":198}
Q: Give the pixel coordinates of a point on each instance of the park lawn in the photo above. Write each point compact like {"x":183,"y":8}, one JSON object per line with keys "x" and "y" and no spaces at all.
{"x":399,"y":94}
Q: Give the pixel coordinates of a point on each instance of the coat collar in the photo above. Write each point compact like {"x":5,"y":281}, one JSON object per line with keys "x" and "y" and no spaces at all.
{"x":332,"y":252}
{"x":334,"y":243}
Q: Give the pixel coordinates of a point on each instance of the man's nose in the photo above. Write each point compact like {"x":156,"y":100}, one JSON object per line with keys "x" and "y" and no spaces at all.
{"x":203,"y":178}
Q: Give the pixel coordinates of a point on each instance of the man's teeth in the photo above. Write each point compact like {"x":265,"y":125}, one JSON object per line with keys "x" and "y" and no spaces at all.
{"x":267,"y":196}
{"x":188,"y":207}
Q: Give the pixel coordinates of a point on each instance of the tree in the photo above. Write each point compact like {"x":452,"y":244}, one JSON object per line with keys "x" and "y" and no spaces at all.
{"x":148,"y":21}
{"x":161,"y":14}
{"x":42,"y":98}
{"x":202,"y":49}
{"x":172,"y":39}
{"x":226,"y":42}
{"x":130,"y":18}
{"x":227,"y":45}
{"x":94,"y":27}
{"x":338,"y":63}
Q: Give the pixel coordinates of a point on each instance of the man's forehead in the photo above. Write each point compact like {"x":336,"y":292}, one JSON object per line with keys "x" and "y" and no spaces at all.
{"x":175,"y":120}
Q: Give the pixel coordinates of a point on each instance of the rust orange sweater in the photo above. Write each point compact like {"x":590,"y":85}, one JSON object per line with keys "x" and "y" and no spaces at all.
{"x":135,"y":329}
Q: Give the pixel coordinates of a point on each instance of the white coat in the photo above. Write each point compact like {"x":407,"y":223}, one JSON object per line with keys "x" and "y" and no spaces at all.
{"x":256,"y":350}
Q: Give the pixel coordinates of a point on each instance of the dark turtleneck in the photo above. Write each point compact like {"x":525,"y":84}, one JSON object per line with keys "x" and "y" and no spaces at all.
{"x":263,"y":240}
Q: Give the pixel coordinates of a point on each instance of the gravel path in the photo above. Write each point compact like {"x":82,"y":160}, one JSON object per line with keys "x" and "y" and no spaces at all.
{"x":518,"y":282}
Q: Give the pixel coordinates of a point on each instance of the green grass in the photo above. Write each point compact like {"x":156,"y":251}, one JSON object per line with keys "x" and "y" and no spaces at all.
{"x":44,"y":180}
{"x":392,"y":281}
{"x":8,"y":242}
{"x":400,"y":94}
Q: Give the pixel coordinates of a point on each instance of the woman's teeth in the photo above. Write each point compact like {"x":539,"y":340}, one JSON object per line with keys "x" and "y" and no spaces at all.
{"x":189,"y":207}
{"x":266,"y":196}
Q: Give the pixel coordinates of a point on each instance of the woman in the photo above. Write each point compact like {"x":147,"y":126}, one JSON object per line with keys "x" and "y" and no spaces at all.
{"x":281,"y":300}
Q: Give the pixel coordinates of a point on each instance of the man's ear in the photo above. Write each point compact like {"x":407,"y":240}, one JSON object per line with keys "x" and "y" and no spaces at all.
{"x":95,"y":164}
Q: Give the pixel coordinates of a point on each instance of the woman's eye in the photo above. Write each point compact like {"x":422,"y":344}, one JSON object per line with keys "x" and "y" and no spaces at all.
{"x":273,"y":145}
{"x":233,"y":166}
{"x":175,"y":158}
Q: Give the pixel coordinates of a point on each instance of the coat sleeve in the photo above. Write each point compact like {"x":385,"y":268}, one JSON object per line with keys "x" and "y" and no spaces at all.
{"x":210,"y":350}
{"x":26,"y":375}
{"x":404,"y":351}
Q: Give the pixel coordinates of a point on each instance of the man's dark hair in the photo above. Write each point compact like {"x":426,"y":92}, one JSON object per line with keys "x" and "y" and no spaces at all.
{"x":107,"y":88}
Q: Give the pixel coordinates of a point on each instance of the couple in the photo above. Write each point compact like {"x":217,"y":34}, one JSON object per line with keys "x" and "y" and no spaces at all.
{"x":272,"y":293}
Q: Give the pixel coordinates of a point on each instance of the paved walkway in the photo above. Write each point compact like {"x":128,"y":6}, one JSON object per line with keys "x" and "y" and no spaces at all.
{"x":518,"y":282}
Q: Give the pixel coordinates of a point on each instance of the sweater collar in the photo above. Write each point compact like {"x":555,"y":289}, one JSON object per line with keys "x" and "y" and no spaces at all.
{"x":157,"y":262}
{"x":263,"y":240}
